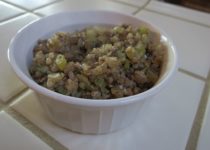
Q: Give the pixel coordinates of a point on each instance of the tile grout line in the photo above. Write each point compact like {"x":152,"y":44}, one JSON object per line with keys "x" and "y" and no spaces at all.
{"x":42,"y":135}
{"x":132,"y":5}
{"x":141,"y":8}
{"x":154,"y":11}
{"x":51,"y":3}
{"x":38,"y":14}
{"x":14,"y":97}
{"x":179,"y":18}
{"x":28,"y":10}
{"x":192,"y":74}
{"x":20,"y":7}
{"x":32,"y":10}
{"x":199,"y":117}
{"x":5,"y":105}
{"x":13,"y":17}
{"x":124,"y":3}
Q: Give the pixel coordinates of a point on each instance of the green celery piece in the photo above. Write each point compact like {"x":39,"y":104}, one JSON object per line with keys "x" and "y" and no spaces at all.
{"x":60,"y":61}
{"x":100,"y":82}
{"x":140,"y":48}
{"x":143,"y":30}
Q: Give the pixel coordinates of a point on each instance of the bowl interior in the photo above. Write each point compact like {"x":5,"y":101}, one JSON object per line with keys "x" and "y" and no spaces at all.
{"x":21,"y":47}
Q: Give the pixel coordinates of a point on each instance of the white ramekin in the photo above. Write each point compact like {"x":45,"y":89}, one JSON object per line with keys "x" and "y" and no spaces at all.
{"x":77,"y":114}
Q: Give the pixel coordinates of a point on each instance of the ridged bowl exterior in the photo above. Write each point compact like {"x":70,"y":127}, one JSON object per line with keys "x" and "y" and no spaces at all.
{"x":90,"y":120}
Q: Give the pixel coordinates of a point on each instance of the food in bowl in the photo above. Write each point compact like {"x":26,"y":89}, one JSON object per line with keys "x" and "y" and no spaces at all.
{"x":99,"y":62}
{"x":89,"y":116}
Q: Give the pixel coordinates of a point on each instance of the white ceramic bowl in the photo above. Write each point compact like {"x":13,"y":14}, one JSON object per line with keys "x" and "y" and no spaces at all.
{"x":77,"y":114}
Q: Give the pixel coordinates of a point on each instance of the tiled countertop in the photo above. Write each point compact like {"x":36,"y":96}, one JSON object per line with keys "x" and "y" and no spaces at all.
{"x":177,"y":119}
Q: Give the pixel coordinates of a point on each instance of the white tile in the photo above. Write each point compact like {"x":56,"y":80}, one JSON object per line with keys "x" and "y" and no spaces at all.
{"x":9,"y":83}
{"x":163,"y":124}
{"x":203,"y":142}
{"x":73,"y":5}
{"x":191,"y":40}
{"x":8,"y":11}
{"x":179,"y":11}
{"x":31,"y":4}
{"x":15,"y":137}
{"x":138,"y":3}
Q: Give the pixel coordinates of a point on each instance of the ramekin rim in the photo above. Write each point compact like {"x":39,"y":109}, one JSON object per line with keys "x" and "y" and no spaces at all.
{"x":92,"y":102}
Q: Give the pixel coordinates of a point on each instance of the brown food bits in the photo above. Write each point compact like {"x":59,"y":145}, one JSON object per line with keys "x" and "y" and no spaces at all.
{"x":99,"y":62}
